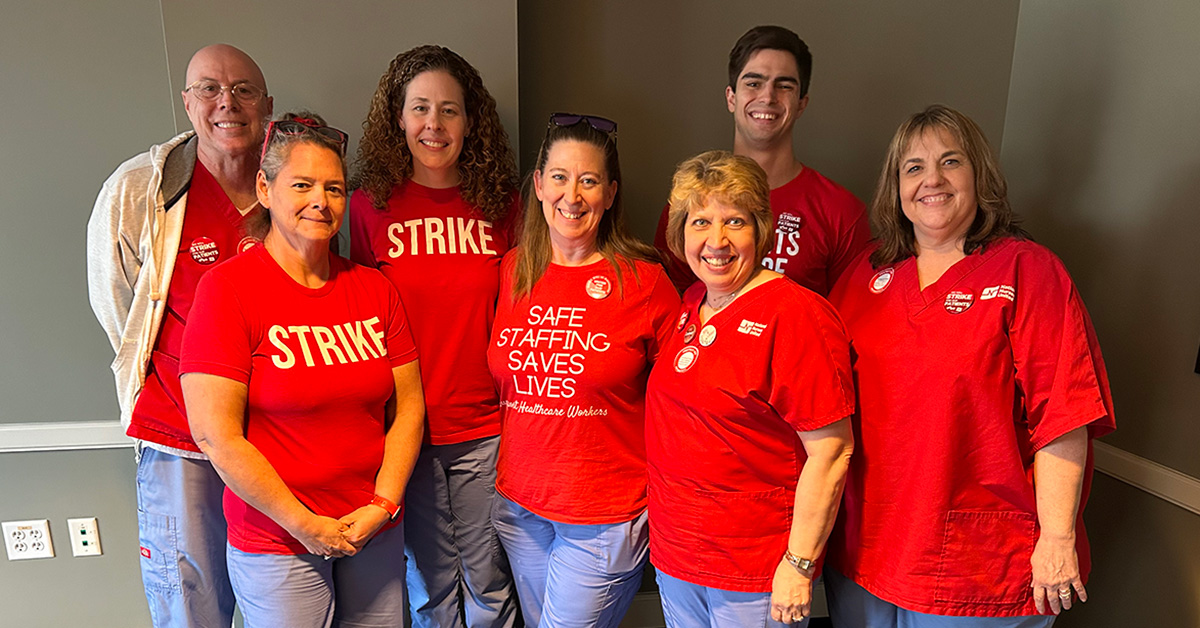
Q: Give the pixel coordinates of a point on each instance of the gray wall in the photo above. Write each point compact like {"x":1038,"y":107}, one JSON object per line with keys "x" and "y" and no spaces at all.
{"x":659,"y":70}
{"x":1090,"y":100}
{"x":84,"y":86}
{"x":1102,"y":155}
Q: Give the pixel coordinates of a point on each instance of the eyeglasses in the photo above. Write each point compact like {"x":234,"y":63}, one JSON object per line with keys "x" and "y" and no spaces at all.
{"x":603,"y":125}
{"x":300,"y":126}
{"x":245,"y":93}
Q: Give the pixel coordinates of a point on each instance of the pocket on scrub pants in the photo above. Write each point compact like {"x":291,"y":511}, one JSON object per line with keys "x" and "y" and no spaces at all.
{"x":160,"y":554}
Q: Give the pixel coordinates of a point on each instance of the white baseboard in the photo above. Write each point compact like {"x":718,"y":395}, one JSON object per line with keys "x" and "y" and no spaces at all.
{"x":65,"y":436}
{"x":1161,"y":481}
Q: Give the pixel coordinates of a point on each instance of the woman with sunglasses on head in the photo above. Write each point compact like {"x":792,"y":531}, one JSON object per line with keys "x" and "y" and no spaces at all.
{"x":584,"y":308}
{"x":302,"y":386}
{"x":436,"y":186}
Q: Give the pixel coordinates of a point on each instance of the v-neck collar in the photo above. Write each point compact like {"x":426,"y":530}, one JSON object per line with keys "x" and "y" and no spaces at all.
{"x":739,"y":304}
{"x":935,"y":293}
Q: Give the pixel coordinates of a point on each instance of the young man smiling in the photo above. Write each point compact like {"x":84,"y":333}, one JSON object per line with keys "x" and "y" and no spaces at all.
{"x":819,"y":226}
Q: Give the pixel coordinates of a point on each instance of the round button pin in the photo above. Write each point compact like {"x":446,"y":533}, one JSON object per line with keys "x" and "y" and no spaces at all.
{"x":708,"y":335}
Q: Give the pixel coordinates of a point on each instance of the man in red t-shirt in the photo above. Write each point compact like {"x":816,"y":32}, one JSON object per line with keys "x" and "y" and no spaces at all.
{"x":819,"y":225}
{"x":145,"y":259}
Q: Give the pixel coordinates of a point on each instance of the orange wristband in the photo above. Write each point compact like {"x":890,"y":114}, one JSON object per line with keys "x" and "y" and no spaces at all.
{"x":387,"y":505}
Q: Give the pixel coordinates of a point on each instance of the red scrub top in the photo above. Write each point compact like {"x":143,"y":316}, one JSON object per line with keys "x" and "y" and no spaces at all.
{"x":318,"y":363}
{"x":959,"y":384}
{"x":212,"y":233}
{"x":722,"y":410}
{"x":571,"y":360}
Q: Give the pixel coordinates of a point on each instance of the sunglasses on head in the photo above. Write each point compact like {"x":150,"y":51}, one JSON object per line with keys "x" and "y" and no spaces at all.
{"x":300,"y":126}
{"x":603,"y":125}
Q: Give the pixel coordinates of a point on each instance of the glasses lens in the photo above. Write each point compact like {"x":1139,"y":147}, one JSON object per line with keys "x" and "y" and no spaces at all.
{"x":206,"y":90}
{"x":565,"y":119}
{"x":604,"y":125}
{"x":246,"y":93}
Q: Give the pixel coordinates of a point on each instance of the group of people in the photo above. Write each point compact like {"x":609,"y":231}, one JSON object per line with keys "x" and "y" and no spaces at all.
{"x":501,"y":400}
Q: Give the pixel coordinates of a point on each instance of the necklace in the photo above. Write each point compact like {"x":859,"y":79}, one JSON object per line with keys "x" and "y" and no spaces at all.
{"x":719,"y":303}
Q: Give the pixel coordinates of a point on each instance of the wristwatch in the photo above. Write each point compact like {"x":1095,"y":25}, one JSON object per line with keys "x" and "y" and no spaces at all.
{"x":803,"y":565}
{"x":388,"y":505}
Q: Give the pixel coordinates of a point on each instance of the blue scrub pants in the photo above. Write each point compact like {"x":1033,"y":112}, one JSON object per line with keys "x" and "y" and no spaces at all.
{"x":307,"y":591}
{"x":181,"y":530}
{"x":851,"y":606}
{"x":572,"y":576}
{"x":454,"y":557}
{"x":687,"y":605}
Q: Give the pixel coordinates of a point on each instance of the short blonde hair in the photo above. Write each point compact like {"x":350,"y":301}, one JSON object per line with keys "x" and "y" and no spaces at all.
{"x":732,"y":179}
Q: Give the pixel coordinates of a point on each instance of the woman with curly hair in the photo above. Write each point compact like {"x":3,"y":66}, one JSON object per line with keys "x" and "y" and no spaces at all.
{"x":436,"y":185}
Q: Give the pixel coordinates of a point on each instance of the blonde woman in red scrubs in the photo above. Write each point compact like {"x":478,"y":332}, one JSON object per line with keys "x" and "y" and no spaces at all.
{"x":747,"y":431}
{"x":980,"y":386}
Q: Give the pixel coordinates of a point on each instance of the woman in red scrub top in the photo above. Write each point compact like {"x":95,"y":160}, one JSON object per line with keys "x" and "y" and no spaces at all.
{"x":302,"y":386}
{"x":747,"y":431}
{"x":437,"y":188}
{"x":980,"y":386}
{"x":584,"y":310}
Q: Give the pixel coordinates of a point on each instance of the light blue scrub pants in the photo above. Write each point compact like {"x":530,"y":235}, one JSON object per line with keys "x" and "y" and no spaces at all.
{"x":851,"y":606}
{"x":181,"y":530}
{"x":453,"y":554}
{"x":572,"y":576}
{"x":687,"y":605}
{"x":307,"y":591}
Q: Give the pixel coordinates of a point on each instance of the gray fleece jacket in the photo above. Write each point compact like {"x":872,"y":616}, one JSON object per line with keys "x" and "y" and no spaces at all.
{"x":132,"y":240}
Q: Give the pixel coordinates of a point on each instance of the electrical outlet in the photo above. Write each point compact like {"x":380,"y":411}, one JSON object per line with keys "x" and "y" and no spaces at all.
{"x":28,"y":539}
{"x":85,"y":536}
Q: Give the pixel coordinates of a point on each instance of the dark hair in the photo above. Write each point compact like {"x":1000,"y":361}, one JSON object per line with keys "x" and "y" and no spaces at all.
{"x":733,"y":179}
{"x":486,"y":165}
{"x":774,"y":38}
{"x":994,"y":217}
{"x":613,"y":239}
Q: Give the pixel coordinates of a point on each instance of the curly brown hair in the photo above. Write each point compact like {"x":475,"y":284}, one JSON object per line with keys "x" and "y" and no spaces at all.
{"x":486,"y":165}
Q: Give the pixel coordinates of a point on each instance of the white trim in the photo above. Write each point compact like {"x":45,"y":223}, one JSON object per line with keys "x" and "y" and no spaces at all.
{"x":65,"y":436}
{"x":1161,"y":481}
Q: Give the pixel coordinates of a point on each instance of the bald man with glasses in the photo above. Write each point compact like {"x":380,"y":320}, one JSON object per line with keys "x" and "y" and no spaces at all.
{"x":162,"y":220}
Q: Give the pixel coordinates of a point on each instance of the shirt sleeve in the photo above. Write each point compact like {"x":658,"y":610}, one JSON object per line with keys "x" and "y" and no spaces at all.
{"x":661,"y":310}
{"x":217,"y":339}
{"x":851,"y":239}
{"x":811,"y":384}
{"x":401,"y":348}
{"x":113,"y":233}
{"x":361,"y":251}
{"x":1060,"y":374}
{"x":677,"y":269}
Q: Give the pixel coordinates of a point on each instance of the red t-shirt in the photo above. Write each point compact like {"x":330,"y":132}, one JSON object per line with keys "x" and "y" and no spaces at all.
{"x":318,"y":363}
{"x":444,"y":258}
{"x":722,"y":410}
{"x":212,"y":233}
{"x":570,"y":360}
{"x":959,"y":384}
{"x":820,"y":227}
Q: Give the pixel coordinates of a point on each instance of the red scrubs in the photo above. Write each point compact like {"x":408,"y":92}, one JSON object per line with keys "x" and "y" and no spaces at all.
{"x":723,"y":406}
{"x":959,"y":385}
